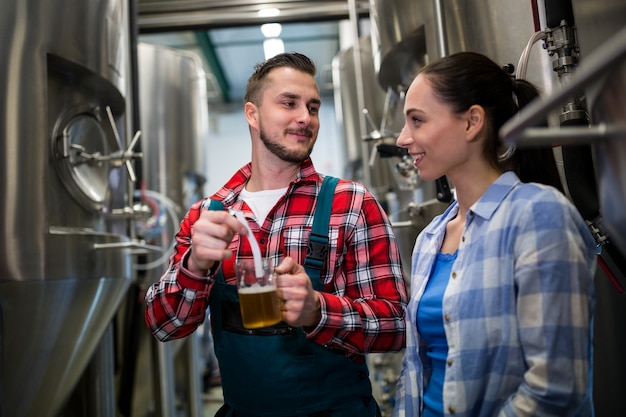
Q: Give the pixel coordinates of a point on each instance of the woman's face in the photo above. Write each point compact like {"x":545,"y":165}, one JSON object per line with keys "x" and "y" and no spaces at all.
{"x":435,"y":137}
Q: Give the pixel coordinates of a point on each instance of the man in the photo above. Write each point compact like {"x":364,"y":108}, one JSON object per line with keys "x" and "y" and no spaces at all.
{"x":312,"y":363}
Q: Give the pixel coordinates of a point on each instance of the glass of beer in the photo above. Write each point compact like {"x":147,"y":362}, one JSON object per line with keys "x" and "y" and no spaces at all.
{"x":258,"y":298}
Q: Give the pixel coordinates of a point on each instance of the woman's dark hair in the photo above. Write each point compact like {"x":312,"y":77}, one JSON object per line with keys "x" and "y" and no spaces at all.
{"x":464,"y":79}
{"x":293,"y":60}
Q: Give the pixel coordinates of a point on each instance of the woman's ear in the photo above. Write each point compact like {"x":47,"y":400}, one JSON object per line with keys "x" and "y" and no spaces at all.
{"x":475,"y":121}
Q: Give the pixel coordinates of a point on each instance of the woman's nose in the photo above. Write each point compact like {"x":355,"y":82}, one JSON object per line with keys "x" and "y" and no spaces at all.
{"x":404,"y":138}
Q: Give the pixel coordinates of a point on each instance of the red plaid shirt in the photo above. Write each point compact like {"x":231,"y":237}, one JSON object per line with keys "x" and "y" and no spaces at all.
{"x":364,"y":296}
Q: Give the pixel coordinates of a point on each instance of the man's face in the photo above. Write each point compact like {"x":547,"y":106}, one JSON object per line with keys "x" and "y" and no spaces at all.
{"x":288,"y":119}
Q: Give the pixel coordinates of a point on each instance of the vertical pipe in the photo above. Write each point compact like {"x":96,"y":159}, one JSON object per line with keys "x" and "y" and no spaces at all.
{"x":100,"y":389}
{"x":194,"y":370}
{"x":440,"y":28}
{"x":358,"y":74}
{"x":164,"y":379}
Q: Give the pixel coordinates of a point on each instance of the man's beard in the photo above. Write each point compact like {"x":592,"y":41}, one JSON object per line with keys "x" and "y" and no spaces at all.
{"x":295,"y":156}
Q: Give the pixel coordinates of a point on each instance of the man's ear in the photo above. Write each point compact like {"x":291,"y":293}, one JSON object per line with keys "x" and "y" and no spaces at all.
{"x":251,"y":112}
{"x":475,"y":121}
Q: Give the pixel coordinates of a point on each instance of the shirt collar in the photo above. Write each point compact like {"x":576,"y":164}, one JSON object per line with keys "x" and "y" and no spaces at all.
{"x":229,"y":191}
{"x":495,"y":194}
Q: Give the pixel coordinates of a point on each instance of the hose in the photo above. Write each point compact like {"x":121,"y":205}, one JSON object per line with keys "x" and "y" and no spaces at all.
{"x":522,"y":64}
{"x":172,"y":210}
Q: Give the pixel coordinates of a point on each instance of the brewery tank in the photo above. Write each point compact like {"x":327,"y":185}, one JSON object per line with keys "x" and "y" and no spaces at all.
{"x":64,"y":262}
{"x":408,"y":33}
{"x":173,"y":103}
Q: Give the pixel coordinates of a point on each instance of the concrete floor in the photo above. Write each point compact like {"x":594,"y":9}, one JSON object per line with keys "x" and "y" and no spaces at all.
{"x":212,"y":401}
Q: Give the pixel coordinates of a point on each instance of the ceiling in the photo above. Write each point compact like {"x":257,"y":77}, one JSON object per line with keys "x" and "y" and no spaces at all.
{"x":227,"y":36}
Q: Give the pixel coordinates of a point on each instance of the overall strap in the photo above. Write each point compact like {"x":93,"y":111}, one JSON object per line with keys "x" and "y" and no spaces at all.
{"x":317,"y":247}
{"x":216,"y":205}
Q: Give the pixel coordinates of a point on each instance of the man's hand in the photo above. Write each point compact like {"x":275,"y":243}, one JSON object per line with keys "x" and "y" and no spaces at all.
{"x":210,"y":236}
{"x":300,"y":303}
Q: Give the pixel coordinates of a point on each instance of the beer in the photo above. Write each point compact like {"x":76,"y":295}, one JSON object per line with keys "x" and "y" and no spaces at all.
{"x":259,"y":306}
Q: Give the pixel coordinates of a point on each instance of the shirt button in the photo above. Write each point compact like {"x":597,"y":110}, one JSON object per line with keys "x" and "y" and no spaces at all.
{"x":454,"y":275}
{"x":452,"y":410}
{"x":449,"y":362}
{"x":446,"y":317}
{"x":462,"y":238}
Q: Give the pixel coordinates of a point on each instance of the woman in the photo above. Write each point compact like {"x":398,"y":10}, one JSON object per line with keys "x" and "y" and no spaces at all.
{"x":502,"y":294}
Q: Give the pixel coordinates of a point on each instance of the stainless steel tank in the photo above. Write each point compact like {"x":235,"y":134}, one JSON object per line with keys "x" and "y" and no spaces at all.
{"x":349,"y":114}
{"x":63,"y":266}
{"x":173,"y":104}
{"x":175,"y":122}
{"x":408,"y":33}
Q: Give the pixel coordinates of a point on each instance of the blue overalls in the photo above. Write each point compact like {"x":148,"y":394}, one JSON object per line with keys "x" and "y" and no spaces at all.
{"x":276,"y":371}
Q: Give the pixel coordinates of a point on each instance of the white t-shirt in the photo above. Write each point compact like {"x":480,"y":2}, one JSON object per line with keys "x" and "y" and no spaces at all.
{"x":261,"y":202}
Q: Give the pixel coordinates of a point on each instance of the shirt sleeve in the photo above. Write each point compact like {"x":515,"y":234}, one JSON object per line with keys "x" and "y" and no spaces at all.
{"x":364,"y":302}
{"x":555,"y":300}
{"x":176,"y":304}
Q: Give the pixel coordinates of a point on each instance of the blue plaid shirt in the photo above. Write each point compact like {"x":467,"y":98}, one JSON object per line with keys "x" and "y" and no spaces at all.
{"x":517,"y":311}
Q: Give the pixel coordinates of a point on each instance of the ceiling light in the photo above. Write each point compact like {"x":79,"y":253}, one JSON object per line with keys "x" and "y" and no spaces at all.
{"x":269,"y":12}
{"x":271,"y":30}
{"x":273,"y":47}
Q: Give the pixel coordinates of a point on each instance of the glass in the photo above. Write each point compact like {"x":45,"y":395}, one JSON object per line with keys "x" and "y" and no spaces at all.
{"x":258,"y":298}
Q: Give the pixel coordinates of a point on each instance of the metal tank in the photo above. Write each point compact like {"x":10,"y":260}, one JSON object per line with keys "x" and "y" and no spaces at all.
{"x":408,"y":33}
{"x":64,"y":262}
{"x":173,"y":104}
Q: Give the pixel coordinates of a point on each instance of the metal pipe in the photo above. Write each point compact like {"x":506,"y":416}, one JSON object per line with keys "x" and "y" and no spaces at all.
{"x":360,"y":99}
{"x":194,"y":370}
{"x":164,"y":378}
{"x":440,"y":28}
{"x":571,"y":135}
{"x":597,"y":64}
{"x":100,"y":396}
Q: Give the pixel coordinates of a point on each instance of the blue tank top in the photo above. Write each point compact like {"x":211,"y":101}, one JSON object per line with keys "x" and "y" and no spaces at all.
{"x":430,"y":327}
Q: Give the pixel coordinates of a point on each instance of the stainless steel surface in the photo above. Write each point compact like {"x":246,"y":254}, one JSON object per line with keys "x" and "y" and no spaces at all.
{"x":610,"y":107}
{"x":351,"y":117}
{"x":51,"y":327}
{"x":57,"y":293}
{"x":410,"y":32}
{"x":173,"y":104}
{"x":539,"y":136}
{"x":160,"y":15}
{"x":175,"y":125}
{"x":399,"y":42}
